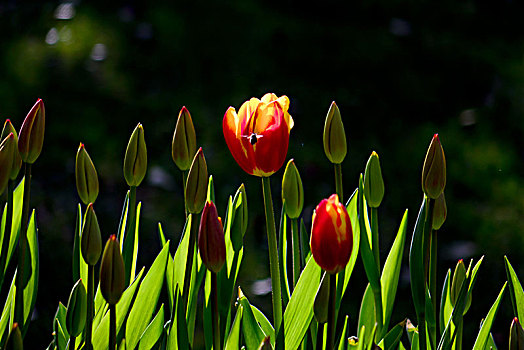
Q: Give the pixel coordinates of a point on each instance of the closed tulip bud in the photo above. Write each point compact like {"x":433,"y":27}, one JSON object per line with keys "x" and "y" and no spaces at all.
{"x":334,"y":135}
{"x":7,"y":149}
{"x":15,"y":341}
{"x":91,"y":240}
{"x":112,"y":273}
{"x":211,"y":243}
{"x":76,"y":309}
{"x":196,"y":186}
{"x":86,"y":176}
{"x":31,"y":137}
{"x":373,"y":182}
{"x":135,"y":161}
{"x":434,"y":170}
{"x":292,"y":191}
{"x":17,"y":160}
{"x":183,"y":147}
{"x":440,"y":212}
{"x":240,"y":218}
{"x":265,"y":344}
{"x":331,"y":235}
{"x":459,"y":276}
{"x":320,"y":306}
{"x":516,"y":336}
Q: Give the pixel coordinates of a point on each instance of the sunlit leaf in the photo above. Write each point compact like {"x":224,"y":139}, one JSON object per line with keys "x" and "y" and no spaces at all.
{"x":153,"y":332}
{"x":233,"y":340}
{"x":483,"y":336}
{"x":515,"y":290}
{"x":253,"y":334}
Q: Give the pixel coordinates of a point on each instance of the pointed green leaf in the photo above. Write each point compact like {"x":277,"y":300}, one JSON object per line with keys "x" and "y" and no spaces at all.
{"x":366,"y":316}
{"x":233,"y":340}
{"x":515,"y":290}
{"x":180,"y":258}
{"x":153,"y":331}
{"x":8,"y":310}
{"x":483,"y":336}
{"x":416,"y":261}
{"x":264,"y":323}
{"x":253,"y":334}
{"x":392,"y":338}
{"x":62,"y":336}
{"x":161,"y":235}
{"x":343,"y":337}
{"x":282,"y":243}
{"x":18,"y":195}
{"x":79,"y":265}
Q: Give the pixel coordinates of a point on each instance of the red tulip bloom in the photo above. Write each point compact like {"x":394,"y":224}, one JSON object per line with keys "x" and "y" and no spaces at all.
{"x":211,"y":243}
{"x":331,"y":235}
{"x":258,"y":136}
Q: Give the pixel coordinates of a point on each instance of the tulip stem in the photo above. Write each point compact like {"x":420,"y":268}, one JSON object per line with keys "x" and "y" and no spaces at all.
{"x":8,"y":228}
{"x":22,"y":248}
{"x":90,"y":306}
{"x":216,"y":321}
{"x":338,"y":181}
{"x":296,"y":251}
{"x":190,"y":256}
{"x":374,"y":236}
{"x":331,"y":311}
{"x":273,"y":254}
{"x":184,"y":182}
{"x":433,"y":282}
{"x":129,"y":237}
{"x":112,"y":326}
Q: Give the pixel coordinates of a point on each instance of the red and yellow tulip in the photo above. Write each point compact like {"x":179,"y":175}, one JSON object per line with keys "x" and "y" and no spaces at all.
{"x":258,"y":135}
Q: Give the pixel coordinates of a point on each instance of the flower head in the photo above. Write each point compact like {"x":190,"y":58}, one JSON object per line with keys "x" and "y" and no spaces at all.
{"x":183,"y":147}
{"x":373,"y":182}
{"x":335,"y":145}
{"x":258,"y":136}
{"x":434,"y":170}
{"x":17,"y":160}
{"x":112,"y":273}
{"x":31,"y":136}
{"x":331,"y":235}
{"x":292,"y":191}
{"x":135,"y":161}
{"x":211,"y":242}
{"x":86,"y":176}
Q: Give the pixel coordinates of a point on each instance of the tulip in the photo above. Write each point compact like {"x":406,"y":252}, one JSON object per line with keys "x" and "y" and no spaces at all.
{"x":91,"y":240}
{"x":258,"y":136}
{"x":516,"y":335}
{"x":76,"y":309}
{"x":211,"y":243}
{"x":373,"y":182}
{"x":459,"y":276}
{"x":196,"y":186}
{"x":112,"y":281}
{"x":183,"y":147}
{"x":7,"y":151}
{"x":135,"y":161}
{"x":334,"y":136}
{"x":439,"y":212}
{"x":434,"y":170}
{"x":17,"y":160}
{"x":14,"y":340}
{"x":86,"y":176}
{"x":240,"y":218}
{"x":31,"y":136}
{"x":292,"y":191}
{"x":331,"y":235}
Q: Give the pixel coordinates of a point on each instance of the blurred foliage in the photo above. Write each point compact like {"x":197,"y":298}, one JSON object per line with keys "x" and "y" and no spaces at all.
{"x":399,"y":71}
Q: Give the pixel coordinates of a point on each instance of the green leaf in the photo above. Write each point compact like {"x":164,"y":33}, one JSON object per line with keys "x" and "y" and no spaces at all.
{"x":392,"y":338}
{"x":18,"y":195}
{"x":515,"y":290}
{"x":62,"y":336}
{"x":211,"y":189}
{"x":79,"y":265}
{"x":177,"y":337}
{"x":153,"y":331}
{"x":146,"y":299}
{"x":391,"y":272}
{"x":491,"y":343}
{"x":180,"y":258}
{"x":366,"y":316}
{"x":445,"y":302}
{"x":161,"y":235}
{"x":8,"y":311}
{"x":416,"y":262}
{"x":135,"y":244}
{"x":482,"y":337}
{"x":264,"y":323}
{"x":412,"y":335}
{"x":299,"y":311}
{"x":343,"y":337}
{"x":207,"y":311}
{"x":233,"y":340}
{"x":253,"y":334}
{"x":123,"y":219}
{"x":197,"y":275}
{"x":282,"y":243}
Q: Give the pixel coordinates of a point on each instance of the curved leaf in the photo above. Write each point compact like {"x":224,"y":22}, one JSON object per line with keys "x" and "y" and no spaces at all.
{"x":482,"y":337}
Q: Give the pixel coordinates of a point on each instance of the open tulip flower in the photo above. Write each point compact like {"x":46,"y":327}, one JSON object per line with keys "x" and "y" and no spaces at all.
{"x":258,"y":135}
{"x":331,"y":235}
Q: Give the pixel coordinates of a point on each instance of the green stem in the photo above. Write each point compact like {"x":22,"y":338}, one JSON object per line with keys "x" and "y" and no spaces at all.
{"x":433,"y":283}
{"x":90,"y":306}
{"x":296,"y":251}
{"x":458,"y":338}
{"x":320,"y":336}
{"x":214,"y":306}
{"x":331,"y":311}
{"x":273,"y":254}
{"x":338,"y":182}
{"x":184,"y":182}
{"x":377,"y":296}
{"x":422,"y":332}
{"x":427,"y":238}
{"x":374,"y":236}
{"x":22,"y":248}
{"x":71,"y":345}
{"x":190,"y":256}
{"x":112,"y":326}
{"x":7,"y":231}
{"x":129,"y":237}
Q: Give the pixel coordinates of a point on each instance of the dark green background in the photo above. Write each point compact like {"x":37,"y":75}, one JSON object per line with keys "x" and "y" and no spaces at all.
{"x":400,"y":71}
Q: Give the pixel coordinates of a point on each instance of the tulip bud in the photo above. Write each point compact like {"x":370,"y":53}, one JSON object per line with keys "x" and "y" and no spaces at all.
{"x":135,"y":161}
{"x":459,"y":276}
{"x":7,"y":150}
{"x":334,"y":136}
{"x":15,"y":341}
{"x":516,"y":336}
{"x":373,"y":182}
{"x":31,"y":137}
{"x":439,"y":212}
{"x":76,"y":309}
{"x":112,"y":274}
{"x":320,"y":306}
{"x":240,"y":218}
{"x":434,"y":170}
{"x":183,"y":147}
{"x":91,"y":240}
{"x":17,"y":160}
{"x":196,"y":186}
{"x":211,"y":243}
{"x":265,"y":344}
{"x":292,"y":191}
{"x":331,"y":235}
{"x":86,"y":177}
